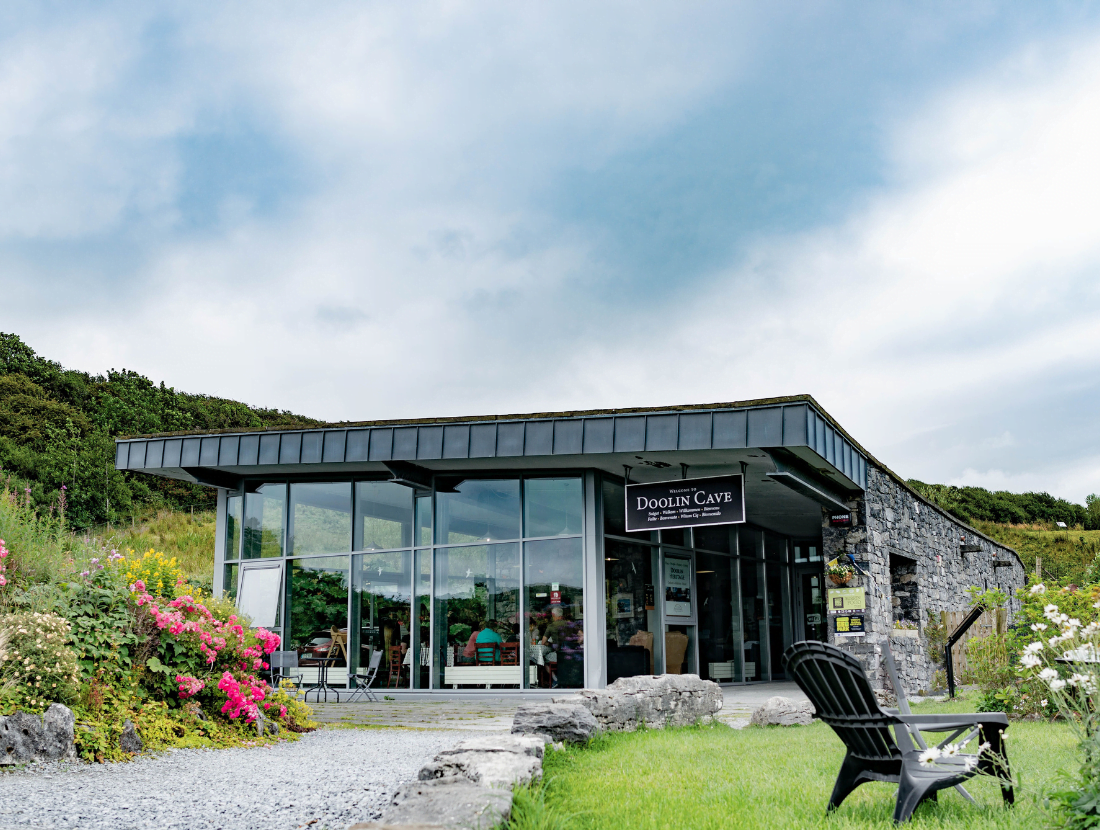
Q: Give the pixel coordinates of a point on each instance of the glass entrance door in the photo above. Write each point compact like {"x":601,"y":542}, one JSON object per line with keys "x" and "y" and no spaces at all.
{"x":810,"y":601}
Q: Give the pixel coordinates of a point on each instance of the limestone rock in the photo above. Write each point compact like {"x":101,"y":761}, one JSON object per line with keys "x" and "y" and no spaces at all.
{"x":59,"y":731}
{"x":782,"y":711}
{"x":569,"y":722}
{"x":655,"y":701}
{"x":484,"y":767}
{"x":533,"y":745}
{"x":454,"y":802}
{"x":22,"y":738}
{"x":129,"y":741}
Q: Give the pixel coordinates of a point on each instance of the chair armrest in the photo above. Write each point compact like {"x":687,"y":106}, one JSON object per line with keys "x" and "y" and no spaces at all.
{"x":943,"y":723}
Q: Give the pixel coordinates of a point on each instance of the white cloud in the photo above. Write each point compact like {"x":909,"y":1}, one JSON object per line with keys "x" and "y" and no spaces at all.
{"x":418,"y":275}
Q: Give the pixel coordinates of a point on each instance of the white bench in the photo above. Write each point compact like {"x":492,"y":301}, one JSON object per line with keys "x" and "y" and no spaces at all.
{"x":337,"y":675}
{"x":482,"y":676}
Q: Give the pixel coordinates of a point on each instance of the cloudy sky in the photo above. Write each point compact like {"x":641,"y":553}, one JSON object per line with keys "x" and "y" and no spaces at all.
{"x":372,"y":210}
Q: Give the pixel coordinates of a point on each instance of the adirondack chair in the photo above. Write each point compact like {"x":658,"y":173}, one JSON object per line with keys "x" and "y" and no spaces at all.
{"x":836,"y":685}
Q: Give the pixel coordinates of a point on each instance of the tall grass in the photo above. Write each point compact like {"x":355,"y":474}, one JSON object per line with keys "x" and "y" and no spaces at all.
{"x":43,"y":550}
{"x":188,"y":537}
{"x":1066,"y":554}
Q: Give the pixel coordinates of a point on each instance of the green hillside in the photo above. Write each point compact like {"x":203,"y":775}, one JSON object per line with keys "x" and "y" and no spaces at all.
{"x":57,"y":429}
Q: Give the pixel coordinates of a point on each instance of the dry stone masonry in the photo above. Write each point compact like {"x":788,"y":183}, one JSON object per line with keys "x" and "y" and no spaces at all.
{"x":910,"y":550}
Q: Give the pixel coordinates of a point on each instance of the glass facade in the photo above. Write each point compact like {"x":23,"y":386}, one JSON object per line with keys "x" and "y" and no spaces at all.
{"x":444,"y":582}
{"x":479,"y":583}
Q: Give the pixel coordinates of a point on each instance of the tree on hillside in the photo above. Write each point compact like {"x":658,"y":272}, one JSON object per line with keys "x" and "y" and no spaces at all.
{"x":57,"y":428}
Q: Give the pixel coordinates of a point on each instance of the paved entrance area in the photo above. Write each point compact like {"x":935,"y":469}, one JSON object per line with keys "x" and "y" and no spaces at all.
{"x":494,"y":714}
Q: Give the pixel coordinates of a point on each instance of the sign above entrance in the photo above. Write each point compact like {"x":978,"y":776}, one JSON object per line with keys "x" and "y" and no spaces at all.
{"x":693,"y":502}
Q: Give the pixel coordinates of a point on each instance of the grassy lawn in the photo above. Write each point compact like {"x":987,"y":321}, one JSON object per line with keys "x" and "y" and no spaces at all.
{"x":716,"y":777}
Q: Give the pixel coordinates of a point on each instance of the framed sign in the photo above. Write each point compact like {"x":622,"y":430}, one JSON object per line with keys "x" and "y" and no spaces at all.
{"x":692,"y":502}
{"x":678,"y":587}
{"x":847,"y":599}
{"x":849,"y":624}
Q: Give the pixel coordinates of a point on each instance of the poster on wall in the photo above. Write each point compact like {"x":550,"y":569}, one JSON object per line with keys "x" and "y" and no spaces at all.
{"x":677,"y":587}
{"x":691,"y":502}
{"x":849,"y":624}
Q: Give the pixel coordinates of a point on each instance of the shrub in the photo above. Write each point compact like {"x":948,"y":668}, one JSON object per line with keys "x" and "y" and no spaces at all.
{"x":36,"y":662}
{"x":162,"y":576}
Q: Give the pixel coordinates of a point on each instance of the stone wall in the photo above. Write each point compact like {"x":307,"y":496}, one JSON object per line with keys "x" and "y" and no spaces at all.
{"x":894,"y":525}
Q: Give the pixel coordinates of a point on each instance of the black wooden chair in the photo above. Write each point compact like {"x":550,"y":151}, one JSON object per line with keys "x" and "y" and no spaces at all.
{"x":836,"y":685}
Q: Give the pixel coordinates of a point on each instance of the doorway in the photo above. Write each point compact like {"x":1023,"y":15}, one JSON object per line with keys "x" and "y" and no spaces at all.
{"x":810,"y":603}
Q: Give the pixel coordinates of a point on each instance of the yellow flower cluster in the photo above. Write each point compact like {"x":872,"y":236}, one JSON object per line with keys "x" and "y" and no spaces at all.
{"x":163,"y":577}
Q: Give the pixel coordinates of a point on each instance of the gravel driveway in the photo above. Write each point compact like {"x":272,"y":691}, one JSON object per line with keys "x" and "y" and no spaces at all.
{"x":327,"y":779}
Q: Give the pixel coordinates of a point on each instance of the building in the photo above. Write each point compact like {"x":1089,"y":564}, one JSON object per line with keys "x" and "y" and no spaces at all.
{"x":407,"y":536}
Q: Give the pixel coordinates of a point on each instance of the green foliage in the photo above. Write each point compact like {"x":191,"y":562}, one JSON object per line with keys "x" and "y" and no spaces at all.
{"x":978,"y":504}
{"x":57,"y":427}
{"x":37,"y":665}
{"x":987,"y":598}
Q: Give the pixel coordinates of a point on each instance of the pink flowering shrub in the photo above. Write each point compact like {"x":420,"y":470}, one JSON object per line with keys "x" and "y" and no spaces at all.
{"x":208,"y":655}
{"x":3,"y":565}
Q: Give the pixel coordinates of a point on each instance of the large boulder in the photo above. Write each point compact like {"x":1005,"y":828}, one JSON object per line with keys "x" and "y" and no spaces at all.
{"x":782,"y":711}
{"x":22,"y":738}
{"x":656,"y":701}
{"x":59,"y":731}
{"x":491,"y":761}
{"x":566,"y":722}
{"x":454,"y":802}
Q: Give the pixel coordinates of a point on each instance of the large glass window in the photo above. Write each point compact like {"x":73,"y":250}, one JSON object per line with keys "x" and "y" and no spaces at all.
{"x":753,"y":607}
{"x":424,"y":519}
{"x":552,"y":507}
{"x":383,"y":515}
{"x":476,"y":510}
{"x":229,"y":584}
{"x":381,"y":607}
{"x":779,"y":617}
{"x":234,"y":503}
{"x":633,"y":618}
{"x":554,"y":610}
{"x":264,"y":510}
{"x":477,"y":616}
{"x":320,"y":518}
{"x":317,"y":596}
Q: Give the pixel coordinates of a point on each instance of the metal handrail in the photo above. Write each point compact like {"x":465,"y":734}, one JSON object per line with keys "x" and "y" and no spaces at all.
{"x":956,"y":635}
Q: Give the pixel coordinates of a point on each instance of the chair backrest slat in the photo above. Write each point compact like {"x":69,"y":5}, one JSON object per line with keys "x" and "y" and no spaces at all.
{"x":835,"y":683}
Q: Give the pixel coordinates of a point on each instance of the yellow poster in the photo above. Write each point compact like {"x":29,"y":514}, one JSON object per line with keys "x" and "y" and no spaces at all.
{"x":847,"y":599}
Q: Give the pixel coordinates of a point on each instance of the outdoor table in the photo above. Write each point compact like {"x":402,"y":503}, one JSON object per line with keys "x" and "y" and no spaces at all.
{"x":322,"y":679}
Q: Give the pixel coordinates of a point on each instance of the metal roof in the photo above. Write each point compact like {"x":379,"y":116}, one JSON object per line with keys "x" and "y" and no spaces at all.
{"x":797,"y":424}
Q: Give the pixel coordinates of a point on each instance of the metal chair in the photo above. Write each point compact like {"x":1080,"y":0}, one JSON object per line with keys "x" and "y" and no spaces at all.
{"x":281,"y":662}
{"x":367,"y":679}
{"x":835,"y":683}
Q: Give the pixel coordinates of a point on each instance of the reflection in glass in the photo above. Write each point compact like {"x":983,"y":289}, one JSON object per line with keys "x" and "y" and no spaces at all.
{"x":719,"y":618}
{"x":383,"y":515}
{"x":775,"y":548}
{"x":424,"y":520}
{"x":614,"y":512}
{"x":554,"y":609}
{"x":779,"y":628}
{"x":320,"y":518}
{"x":263,"y":521}
{"x":422,"y":603}
{"x":233,"y":506}
{"x":753,"y":620}
{"x":477,"y":510}
{"x":552,"y":507}
{"x":476,"y":602}
{"x":632,"y":615}
{"x":380,"y":602}
{"x":678,"y":536}
{"x":720,"y":538}
{"x":317,"y":595}
{"x":229,"y":585}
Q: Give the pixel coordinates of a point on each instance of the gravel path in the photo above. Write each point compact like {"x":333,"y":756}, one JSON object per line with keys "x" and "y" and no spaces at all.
{"x":328,"y":779}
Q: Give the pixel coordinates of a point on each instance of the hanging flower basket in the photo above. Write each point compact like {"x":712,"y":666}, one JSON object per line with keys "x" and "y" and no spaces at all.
{"x":840,"y":574}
